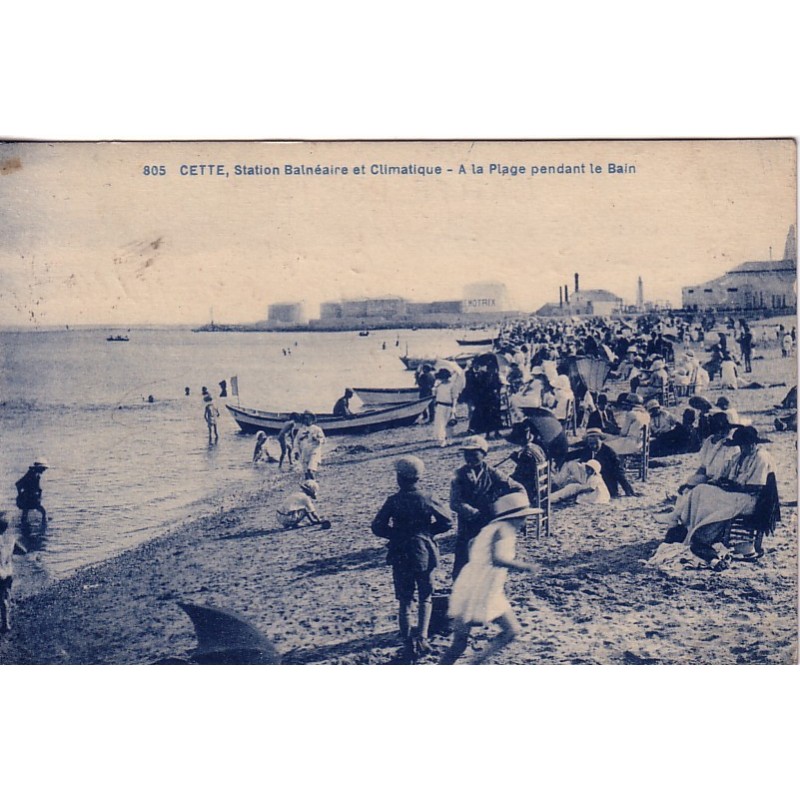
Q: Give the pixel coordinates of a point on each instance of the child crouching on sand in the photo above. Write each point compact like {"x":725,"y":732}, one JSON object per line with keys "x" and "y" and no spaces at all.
{"x":410,"y":519}
{"x":8,"y":546}
{"x":478,"y":597}
{"x":299,"y":506}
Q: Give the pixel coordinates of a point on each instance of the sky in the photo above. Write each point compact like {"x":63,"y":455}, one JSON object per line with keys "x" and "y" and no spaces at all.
{"x":86,"y":237}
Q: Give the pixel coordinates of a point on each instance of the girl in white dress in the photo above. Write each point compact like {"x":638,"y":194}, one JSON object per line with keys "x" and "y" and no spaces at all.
{"x":478,"y":597}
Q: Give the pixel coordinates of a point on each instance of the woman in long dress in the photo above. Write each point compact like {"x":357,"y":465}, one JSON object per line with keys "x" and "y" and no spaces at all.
{"x":478,"y":595}
{"x":705,"y":511}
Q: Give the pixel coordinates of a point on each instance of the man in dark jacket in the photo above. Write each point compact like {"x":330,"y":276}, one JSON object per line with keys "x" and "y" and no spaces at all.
{"x":473,"y":490}
{"x":410,"y":519}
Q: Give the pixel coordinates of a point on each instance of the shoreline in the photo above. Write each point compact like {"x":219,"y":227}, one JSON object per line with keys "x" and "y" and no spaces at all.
{"x":325,"y":597}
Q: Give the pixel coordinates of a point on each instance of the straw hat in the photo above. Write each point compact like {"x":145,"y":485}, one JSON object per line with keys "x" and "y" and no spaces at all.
{"x":512,"y":506}
{"x":653,"y":404}
{"x":475,"y":443}
{"x":595,"y":432}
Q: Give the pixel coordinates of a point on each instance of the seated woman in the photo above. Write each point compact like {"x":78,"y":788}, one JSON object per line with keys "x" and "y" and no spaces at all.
{"x":714,"y":455}
{"x":592,"y":490}
{"x":636,"y":419}
{"x":529,"y":458}
{"x":704,"y":513}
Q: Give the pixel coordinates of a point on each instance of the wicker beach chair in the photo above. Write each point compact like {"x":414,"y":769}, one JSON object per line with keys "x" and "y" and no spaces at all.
{"x":754,"y":527}
{"x":638,"y":463}
{"x":540,"y":523}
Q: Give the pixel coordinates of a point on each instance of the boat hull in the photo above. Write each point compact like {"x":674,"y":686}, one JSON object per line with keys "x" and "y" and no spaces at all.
{"x":252,"y":420}
{"x":386,"y":397}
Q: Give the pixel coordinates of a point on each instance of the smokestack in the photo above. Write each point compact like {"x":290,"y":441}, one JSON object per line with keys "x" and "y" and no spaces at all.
{"x":560,"y":296}
{"x":566,"y":294}
{"x":577,"y":285}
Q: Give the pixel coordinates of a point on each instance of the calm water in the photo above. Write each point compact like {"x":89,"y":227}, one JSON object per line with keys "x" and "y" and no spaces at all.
{"x":123,"y":469}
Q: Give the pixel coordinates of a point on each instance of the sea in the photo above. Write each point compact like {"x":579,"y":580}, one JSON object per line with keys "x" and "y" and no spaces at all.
{"x":122,"y":469}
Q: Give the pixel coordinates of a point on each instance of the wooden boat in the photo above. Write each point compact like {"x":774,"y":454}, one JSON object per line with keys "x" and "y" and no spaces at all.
{"x":415,"y":362}
{"x":379,"y":418}
{"x":117,"y":339}
{"x":386,"y":397}
{"x":363,"y":333}
{"x":475,"y":342}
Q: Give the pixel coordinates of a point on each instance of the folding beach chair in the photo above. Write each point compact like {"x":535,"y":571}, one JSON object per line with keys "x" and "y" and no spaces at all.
{"x":754,"y":527}
{"x":541,"y":500}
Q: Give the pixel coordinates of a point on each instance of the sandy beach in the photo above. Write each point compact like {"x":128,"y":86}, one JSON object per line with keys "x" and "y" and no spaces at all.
{"x":325,"y":597}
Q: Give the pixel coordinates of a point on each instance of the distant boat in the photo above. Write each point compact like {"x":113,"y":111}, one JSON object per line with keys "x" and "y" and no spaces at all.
{"x":117,"y":339}
{"x":386,"y":397}
{"x":251,"y":420}
{"x":363,"y":333}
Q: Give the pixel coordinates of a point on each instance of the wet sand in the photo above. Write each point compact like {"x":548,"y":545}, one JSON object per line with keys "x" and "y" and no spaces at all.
{"x":325,"y":597}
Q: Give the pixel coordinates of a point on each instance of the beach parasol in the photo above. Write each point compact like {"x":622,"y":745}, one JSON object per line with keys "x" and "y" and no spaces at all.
{"x":593,"y":372}
{"x":550,"y":430}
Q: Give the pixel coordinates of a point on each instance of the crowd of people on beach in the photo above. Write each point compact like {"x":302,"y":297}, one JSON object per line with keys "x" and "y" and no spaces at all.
{"x":544,"y":389}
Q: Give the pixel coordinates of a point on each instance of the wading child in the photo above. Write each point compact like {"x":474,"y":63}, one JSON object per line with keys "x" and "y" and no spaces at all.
{"x":410,"y":519}
{"x":8,"y":547}
{"x":478,"y":597}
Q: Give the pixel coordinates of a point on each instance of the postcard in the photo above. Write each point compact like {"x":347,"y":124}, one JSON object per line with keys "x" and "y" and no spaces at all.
{"x":420,"y":403}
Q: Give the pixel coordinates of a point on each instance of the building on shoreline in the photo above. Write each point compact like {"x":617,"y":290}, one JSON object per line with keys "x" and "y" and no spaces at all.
{"x":753,"y":285}
{"x":286,"y":314}
{"x":582,"y":303}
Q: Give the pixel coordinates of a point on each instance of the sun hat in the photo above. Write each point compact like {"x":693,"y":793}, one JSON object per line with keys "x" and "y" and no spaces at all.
{"x":652,"y":404}
{"x":513,"y":505}
{"x":595,"y":465}
{"x":41,"y":462}
{"x":595,"y":432}
{"x":475,"y":443}
{"x":409,"y":467}
{"x":310,"y":487}
{"x":746,"y":434}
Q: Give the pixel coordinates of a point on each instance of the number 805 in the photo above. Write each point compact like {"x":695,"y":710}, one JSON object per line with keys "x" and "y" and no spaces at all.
{"x":154,"y":170}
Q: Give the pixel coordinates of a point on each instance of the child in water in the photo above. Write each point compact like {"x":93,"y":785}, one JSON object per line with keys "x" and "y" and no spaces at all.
{"x":478,"y":596}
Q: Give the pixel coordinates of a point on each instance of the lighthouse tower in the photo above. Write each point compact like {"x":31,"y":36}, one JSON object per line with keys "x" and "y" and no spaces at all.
{"x":639,"y":294}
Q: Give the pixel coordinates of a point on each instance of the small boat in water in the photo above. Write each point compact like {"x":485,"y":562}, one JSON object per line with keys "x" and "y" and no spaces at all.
{"x":386,"y":397}
{"x":251,"y":420}
{"x":117,"y":339}
{"x":363,"y":333}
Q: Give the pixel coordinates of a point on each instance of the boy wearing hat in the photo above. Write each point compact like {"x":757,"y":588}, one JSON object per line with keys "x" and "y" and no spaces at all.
{"x":29,"y":491}
{"x":478,"y":595}
{"x":473,"y":489}
{"x":9,"y":546}
{"x":299,"y":506}
{"x":410,"y":519}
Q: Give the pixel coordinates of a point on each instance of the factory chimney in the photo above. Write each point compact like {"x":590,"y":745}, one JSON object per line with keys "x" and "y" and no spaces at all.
{"x":577,"y":285}
{"x":566,"y":294}
{"x":560,"y":296}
